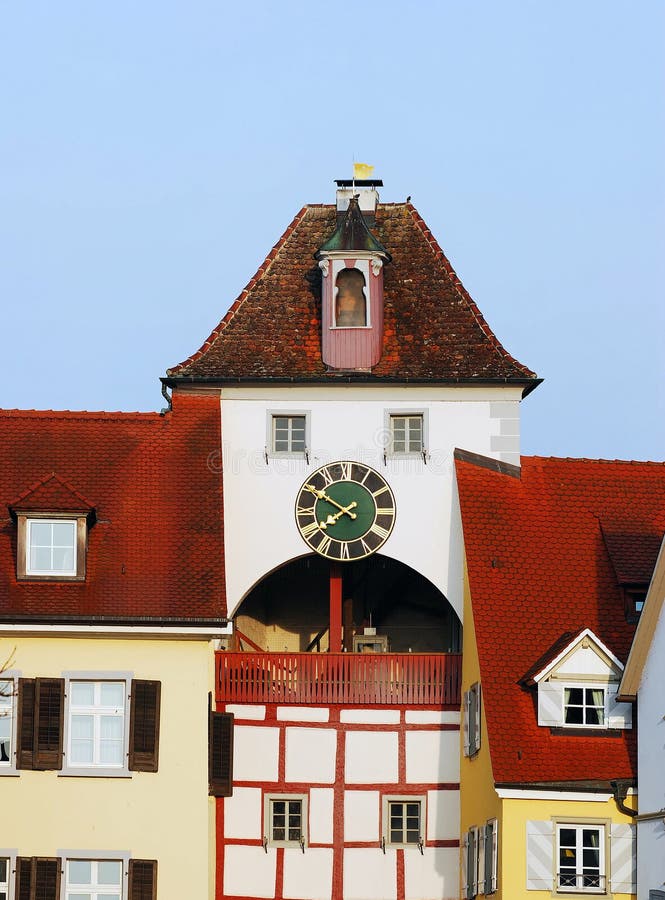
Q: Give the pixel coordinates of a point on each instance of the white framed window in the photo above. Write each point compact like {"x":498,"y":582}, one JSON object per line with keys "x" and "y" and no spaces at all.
{"x":288,"y":434}
{"x":7,"y":707}
{"x":94,"y":879}
{"x":96,"y":724}
{"x":580,"y":858}
{"x":51,"y":547}
{"x":285,"y":819}
{"x":472,"y":720}
{"x":406,"y":433}
{"x":584,"y":707}
{"x":351,"y":301}
{"x":403,"y":821}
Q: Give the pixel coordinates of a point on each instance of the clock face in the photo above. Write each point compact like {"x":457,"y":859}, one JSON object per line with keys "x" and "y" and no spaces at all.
{"x":345,"y":511}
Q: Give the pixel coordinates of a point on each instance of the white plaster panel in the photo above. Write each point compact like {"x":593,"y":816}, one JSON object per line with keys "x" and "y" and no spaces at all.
{"x":347,"y":423}
{"x":361,"y":816}
{"x":255,"y":753}
{"x":310,"y":755}
{"x":432,"y":756}
{"x":370,"y":874}
{"x":371,"y":757}
{"x":370,"y":716}
{"x":431,"y":717}
{"x":308,"y":875}
{"x":249,"y":871}
{"x":242,"y":813}
{"x":302,"y":714}
{"x":321,"y":806}
{"x":240,"y":711}
{"x":584,"y":661}
{"x":443,"y":815}
{"x":433,"y":875}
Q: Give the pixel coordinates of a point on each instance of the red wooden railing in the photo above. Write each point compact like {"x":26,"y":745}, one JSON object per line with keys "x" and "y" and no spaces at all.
{"x":367,"y":679}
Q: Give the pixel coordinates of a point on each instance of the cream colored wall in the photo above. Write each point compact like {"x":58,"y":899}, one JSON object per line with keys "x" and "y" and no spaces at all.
{"x":512,"y":837}
{"x":167,"y":815}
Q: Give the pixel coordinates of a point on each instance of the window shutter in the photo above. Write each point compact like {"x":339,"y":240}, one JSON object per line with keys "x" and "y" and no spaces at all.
{"x":465,"y":865}
{"x":472,"y":864}
{"x":220,"y":754}
{"x":492,"y":838}
{"x":539,"y":856}
{"x":623,"y":859}
{"x":619,"y":715}
{"x":480,"y":868}
{"x":38,"y":878}
{"x":144,"y":725}
{"x":49,"y":715}
{"x":142,"y":879}
{"x":465,"y":716}
{"x":550,"y":704}
{"x":25,"y":737}
{"x":476,"y":720}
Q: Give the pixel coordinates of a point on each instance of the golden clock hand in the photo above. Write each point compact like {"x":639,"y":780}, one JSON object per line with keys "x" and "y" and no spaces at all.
{"x":332,"y":519}
{"x":323,"y":496}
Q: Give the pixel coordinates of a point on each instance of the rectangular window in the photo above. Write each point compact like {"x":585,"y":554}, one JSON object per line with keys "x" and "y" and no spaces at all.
{"x":96,"y":724}
{"x":403,"y":821}
{"x":90,"y":879}
{"x":6,"y":724}
{"x":581,"y":858}
{"x":406,"y":434}
{"x":286,"y":820}
{"x":489,"y":875}
{"x":51,"y":547}
{"x":4,"y":878}
{"x":584,"y":706}
{"x":287,"y":433}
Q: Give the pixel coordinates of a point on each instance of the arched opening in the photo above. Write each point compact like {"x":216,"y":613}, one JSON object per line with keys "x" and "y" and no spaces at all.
{"x":350,"y":299}
{"x":288,"y":611}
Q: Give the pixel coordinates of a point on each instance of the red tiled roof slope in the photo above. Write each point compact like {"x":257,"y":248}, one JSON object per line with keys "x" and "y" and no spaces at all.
{"x":432,"y":328}
{"x":156,"y":548}
{"x":51,"y":493}
{"x":539,"y":567}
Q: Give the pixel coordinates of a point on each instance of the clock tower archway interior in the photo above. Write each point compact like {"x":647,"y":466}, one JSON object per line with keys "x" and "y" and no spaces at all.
{"x":386,"y":606}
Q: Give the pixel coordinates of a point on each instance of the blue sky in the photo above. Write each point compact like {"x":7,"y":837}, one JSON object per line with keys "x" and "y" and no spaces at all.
{"x":151,"y":153}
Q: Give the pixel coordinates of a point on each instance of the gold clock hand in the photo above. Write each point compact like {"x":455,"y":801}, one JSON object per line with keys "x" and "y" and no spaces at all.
{"x":323,"y":496}
{"x":332,"y":519}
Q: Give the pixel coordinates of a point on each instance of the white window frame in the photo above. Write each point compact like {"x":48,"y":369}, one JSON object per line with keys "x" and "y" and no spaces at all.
{"x":25,"y":522}
{"x":387,"y":799}
{"x":391,"y":414}
{"x":11,"y":676}
{"x":273,"y":414}
{"x":603,"y":875}
{"x":10,"y":856}
{"x":472,"y":719}
{"x":584,"y":686}
{"x":40,"y":573}
{"x":363,"y":265}
{"x":94,"y":770}
{"x":271,"y":798}
{"x":68,"y":856}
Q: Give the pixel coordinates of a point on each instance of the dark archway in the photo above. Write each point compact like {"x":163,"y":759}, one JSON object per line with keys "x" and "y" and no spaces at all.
{"x":288,"y":610}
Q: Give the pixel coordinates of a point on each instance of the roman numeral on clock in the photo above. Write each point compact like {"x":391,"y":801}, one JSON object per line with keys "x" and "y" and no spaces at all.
{"x":308,"y":530}
{"x":379,"y":531}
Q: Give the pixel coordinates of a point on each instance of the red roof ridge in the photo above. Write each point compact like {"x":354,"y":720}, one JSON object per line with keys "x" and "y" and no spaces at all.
{"x":74,"y":414}
{"x":462,"y":291}
{"x":594,"y":460}
{"x":42,"y":482}
{"x":242,"y":296}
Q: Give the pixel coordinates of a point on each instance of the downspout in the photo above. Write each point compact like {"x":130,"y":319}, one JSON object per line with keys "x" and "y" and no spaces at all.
{"x":620,"y":791}
{"x":167,"y":397}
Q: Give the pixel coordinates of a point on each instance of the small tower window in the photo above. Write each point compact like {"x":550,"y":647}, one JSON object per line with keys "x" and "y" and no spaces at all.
{"x":350,"y":299}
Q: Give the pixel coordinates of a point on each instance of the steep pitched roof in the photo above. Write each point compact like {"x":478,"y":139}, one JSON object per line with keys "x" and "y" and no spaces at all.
{"x":156,"y":547}
{"x":433,"y":330}
{"x":538,"y":568}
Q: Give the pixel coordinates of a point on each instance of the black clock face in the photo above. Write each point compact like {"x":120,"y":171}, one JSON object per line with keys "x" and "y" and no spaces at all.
{"x":345,"y":511}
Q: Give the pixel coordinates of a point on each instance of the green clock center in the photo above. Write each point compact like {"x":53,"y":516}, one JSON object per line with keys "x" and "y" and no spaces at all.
{"x":347,"y":511}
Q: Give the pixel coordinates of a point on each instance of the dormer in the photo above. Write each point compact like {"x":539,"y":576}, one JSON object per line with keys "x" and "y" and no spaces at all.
{"x":351,"y":263}
{"x":577,"y":686}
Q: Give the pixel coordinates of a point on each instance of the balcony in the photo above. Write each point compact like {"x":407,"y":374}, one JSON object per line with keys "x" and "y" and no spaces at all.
{"x":382,"y":679}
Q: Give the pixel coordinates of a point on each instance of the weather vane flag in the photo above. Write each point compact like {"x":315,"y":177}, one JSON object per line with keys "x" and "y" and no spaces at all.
{"x":361,"y":171}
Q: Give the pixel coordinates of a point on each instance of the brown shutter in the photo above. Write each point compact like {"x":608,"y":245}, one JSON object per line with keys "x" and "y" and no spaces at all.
{"x":37,"y":878}
{"x":25,"y":737}
{"x":144,"y":726}
{"x":220,"y":754}
{"x":49,"y":716}
{"x":142,"y":879}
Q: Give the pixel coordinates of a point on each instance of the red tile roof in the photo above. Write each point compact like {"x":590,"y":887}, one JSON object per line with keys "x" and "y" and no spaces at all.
{"x":539,"y":568}
{"x":433,"y":330}
{"x":156,"y":547}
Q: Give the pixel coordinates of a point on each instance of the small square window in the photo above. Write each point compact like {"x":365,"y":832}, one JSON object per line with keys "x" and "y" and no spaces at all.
{"x":7,"y":692}
{"x":406,"y":433}
{"x":403,"y":819}
{"x":288,"y":434}
{"x":96,"y":724}
{"x":584,"y":706}
{"x":91,"y":879}
{"x":51,"y":547}
{"x":581,"y":858}
{"x":286,"y":820}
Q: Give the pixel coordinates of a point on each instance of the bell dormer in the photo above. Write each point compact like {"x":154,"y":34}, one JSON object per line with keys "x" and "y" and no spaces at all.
{"x":351,"y":262}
